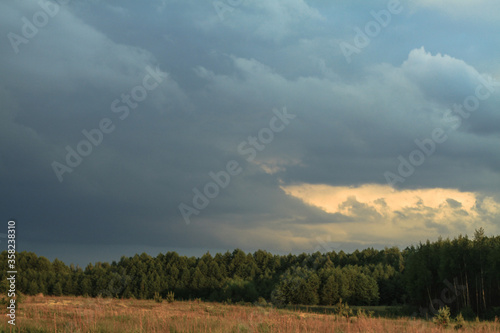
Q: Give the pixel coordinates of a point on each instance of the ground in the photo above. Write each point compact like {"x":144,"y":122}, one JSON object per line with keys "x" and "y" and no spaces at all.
{"x":79,"y":314}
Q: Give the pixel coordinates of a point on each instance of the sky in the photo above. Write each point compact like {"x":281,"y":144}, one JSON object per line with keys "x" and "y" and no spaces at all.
{"x":285,"y":125}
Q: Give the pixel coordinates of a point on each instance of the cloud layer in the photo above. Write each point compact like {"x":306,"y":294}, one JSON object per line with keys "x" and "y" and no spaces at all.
{"x":220,"y":76}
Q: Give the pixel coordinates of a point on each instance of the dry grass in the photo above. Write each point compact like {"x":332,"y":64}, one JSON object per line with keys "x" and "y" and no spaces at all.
{"x":79,"y":314}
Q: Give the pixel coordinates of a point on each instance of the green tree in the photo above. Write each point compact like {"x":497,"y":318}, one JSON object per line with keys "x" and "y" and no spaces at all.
{"x":33,"y":288}
{"x":57,"y":289}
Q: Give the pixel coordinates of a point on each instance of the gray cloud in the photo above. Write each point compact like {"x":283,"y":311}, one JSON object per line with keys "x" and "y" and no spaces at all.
{"x":222,"y":80}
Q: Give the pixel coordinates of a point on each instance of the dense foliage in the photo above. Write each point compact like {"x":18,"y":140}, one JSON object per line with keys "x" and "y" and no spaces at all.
{"x":461,"y":273}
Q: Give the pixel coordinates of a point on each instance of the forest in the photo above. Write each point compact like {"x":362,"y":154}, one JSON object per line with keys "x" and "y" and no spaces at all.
{"x":463,"y":274}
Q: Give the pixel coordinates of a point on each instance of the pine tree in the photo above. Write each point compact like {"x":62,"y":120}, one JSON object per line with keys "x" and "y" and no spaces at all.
{"x":57,"y":289}
{"x":33,"y":288}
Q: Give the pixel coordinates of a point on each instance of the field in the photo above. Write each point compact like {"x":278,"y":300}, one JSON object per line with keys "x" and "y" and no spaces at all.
{"x":78,"y":314}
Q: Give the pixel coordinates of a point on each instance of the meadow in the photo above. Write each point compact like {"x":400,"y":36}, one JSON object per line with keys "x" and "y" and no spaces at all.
{"x":42,"y":314}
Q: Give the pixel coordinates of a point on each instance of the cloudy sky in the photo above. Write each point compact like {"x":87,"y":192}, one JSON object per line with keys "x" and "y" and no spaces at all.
{"x":285,"y":125}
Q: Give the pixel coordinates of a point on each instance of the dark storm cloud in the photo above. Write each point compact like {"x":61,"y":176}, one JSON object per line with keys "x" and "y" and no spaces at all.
{"x":221,"y":80}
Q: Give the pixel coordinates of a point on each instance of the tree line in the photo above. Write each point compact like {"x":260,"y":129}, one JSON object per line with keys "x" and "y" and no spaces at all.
{"x":461,"y":273}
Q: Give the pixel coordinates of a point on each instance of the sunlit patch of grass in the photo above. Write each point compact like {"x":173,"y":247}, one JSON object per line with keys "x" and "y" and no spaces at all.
{"x":79,"y":314}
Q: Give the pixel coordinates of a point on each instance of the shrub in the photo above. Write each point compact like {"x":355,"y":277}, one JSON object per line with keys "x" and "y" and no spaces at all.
{"x":442,"y":318}
{"x":342,"y":309}
{"x":157,"y":297}
{"x":361,"y":313}
{"x":261,"y":301}
{"x":459,"y":322}
{"x":170,"y":297}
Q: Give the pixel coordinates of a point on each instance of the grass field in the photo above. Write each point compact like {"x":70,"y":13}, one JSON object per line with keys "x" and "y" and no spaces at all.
{"x":78,"y":314}
{"x":376,"y":310}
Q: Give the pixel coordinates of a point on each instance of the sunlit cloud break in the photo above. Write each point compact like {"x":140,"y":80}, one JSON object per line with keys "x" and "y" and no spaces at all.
{"x":378,"y":211}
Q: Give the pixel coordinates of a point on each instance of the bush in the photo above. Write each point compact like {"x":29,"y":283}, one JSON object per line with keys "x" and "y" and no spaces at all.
{"x":170,"y":297}
{"x":459,"y":322}
{"x":442,"y":318}
{"x":261,"y":301}
{"x":361,"y":313}
{"x":342,"y":309}
{"x":157,"y":297}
